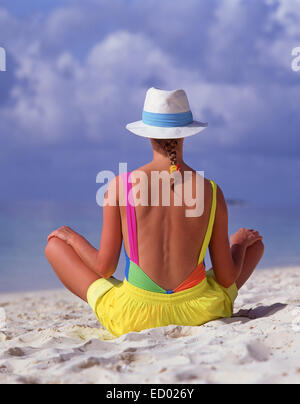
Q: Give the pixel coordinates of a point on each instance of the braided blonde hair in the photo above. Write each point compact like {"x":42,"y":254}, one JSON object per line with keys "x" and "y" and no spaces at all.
{"x":169,"y":146}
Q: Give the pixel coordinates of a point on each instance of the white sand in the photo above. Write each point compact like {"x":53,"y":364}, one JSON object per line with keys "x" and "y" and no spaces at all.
{"x":51,"y":337}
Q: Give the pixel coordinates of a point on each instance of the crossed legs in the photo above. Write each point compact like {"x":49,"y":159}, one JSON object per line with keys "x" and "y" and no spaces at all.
{"x":77,"y":277}
{"x":70,"y":269}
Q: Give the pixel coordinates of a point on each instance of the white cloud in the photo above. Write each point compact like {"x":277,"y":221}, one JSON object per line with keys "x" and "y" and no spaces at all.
{"x":81,"y":72}
{"x":60,"y":95}
{"x":287,"y":15}
{"x":63,"y":95}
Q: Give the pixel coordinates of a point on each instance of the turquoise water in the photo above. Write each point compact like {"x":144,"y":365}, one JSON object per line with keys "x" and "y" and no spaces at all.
{"x":24,"y":228}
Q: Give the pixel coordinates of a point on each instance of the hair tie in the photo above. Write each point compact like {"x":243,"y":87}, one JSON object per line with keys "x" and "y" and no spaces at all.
{"x":174,"y":168}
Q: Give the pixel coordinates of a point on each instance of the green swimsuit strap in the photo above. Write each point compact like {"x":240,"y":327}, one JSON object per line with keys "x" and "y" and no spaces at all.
{"x":210,"y":223}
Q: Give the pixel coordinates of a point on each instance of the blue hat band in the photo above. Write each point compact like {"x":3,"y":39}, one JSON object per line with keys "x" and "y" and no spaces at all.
{"x":168,"y":120}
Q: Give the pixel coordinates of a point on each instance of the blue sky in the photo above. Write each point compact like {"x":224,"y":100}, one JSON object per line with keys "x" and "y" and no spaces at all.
{"x":78,"y":72}
{"x":23,"y":8}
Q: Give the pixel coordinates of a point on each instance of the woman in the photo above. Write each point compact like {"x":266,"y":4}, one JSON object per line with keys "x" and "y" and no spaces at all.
{"x":166,"y":281}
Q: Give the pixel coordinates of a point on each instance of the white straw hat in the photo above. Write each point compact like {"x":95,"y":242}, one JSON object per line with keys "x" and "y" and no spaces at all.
{"x":166,"y":115}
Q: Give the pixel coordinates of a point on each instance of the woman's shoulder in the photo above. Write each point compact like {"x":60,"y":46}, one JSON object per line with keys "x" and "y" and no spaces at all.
{"x":220,"y":198}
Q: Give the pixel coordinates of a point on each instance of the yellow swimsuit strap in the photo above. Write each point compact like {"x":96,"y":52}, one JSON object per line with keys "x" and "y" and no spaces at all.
{"x":210,"y":223}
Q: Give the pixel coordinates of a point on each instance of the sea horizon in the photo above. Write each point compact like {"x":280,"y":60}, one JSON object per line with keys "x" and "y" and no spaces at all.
{"x":25,"y":225}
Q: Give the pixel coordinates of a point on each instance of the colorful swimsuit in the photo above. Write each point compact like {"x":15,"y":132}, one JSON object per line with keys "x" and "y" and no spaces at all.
{"x":138,"y":303}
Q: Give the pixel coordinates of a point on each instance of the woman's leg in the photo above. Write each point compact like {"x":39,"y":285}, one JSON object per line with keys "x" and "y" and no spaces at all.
{"x":70,"y":269}
{"x":253,"y":255}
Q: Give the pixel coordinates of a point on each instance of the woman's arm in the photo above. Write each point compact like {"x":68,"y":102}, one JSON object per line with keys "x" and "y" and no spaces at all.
{"x":104,"y":261}
{"x":226,"y":268}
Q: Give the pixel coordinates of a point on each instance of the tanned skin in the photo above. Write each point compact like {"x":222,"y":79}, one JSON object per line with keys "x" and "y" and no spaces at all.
{"x":169,"y":242}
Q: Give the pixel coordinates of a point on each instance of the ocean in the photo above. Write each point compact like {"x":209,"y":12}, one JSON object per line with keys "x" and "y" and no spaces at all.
{"x":24,"y":227}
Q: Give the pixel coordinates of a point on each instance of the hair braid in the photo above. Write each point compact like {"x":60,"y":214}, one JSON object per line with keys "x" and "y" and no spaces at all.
{"x":170,"y":147}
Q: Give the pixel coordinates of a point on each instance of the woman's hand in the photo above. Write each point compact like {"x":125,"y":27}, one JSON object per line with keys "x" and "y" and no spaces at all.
{"x":245,"y":237}
{"x":65,"y":233}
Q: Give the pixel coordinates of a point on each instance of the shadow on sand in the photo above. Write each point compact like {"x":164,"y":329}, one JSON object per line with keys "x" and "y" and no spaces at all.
{"x":245,"y":316}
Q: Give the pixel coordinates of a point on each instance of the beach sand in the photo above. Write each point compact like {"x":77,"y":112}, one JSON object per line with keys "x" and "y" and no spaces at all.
{"x":52,"y":337}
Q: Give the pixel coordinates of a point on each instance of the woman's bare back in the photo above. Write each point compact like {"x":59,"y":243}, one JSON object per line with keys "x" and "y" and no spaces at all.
{"x":169,"y":242}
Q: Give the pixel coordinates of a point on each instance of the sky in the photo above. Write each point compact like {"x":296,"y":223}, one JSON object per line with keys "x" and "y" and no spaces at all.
{"x":78,"y":71}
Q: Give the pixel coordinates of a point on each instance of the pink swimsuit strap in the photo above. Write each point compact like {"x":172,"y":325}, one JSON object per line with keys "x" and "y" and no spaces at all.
{"x":134,"y":274}
{"x":131,"y":219}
